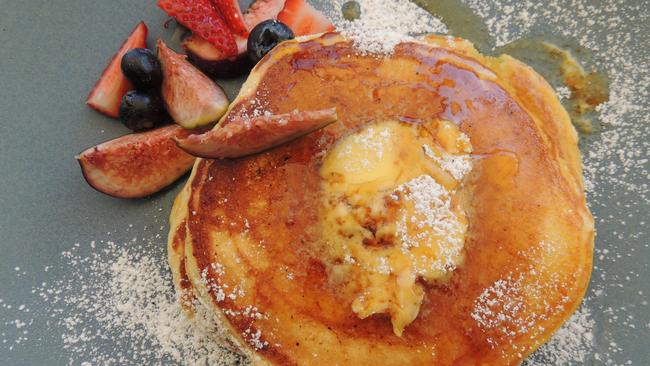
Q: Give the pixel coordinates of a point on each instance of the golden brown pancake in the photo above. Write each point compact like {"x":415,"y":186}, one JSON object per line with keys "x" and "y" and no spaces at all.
{"x":247,"y":235}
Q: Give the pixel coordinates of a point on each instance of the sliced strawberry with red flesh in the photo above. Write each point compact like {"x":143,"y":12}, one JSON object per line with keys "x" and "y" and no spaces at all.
{"x":304,"y":19}
{"x":108,"y":91}
{"x":230,"y":10}
{"x":259,"y":11}
{"x":202,"y":18}
{"x":208,"y":51}
{"x":262,"y":10}
{"x":242,"y":137}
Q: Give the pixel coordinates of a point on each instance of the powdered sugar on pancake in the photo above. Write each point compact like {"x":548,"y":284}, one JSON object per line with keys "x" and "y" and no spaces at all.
{"x":432,"y":210}
{"x":456,"y":165}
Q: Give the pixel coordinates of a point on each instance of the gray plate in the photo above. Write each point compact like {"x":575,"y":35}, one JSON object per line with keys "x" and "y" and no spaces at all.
{"x":52,"y":53}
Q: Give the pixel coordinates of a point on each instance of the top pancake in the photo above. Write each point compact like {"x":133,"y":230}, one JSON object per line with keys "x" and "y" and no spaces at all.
{"x":249,"y":224}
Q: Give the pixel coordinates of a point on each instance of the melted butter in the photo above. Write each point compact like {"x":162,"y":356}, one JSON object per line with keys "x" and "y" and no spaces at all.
{"x":389,"y":214}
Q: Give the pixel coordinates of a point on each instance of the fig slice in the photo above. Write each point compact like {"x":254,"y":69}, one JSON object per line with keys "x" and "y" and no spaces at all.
{"x":242,"y":136}
{"x":136,"y":165}
{"x":192,"y":99}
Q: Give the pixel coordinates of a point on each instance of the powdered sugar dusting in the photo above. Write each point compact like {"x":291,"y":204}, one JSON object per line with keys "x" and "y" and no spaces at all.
{"x":123,"y":294}
{"x":616,"y":166}
{"x":499,"y":305}
{"x":106,"y":304}
{"x":370,"y":145}
{"x":617,"y":156}
{"x":432,"y":203}
{"x":456,"y":165}
{"x":384,"y":24}
{"x":223,"y":291}
{"x":563,"y":92}
{"x":571,"y":344}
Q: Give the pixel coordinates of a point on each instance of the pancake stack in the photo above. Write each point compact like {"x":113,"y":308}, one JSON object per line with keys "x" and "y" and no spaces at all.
{"x":440,"y":221}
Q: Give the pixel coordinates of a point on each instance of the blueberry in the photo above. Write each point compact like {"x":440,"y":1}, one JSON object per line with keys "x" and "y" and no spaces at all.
{"x":142,"y":68}
{"x":141,"y":111}
{"x":351,"y":10}
{"x":265,"y":36}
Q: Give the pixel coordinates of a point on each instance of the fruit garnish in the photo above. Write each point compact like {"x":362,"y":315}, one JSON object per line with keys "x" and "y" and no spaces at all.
{"x":303,"y":18}
{"x":351,"y":10}
{"x":265,"y":36}
{"x":262,"y":10}
{"x":202,"y":18}
{"x":213,"y":62}
{"x":242,"y":137}
{"x":141,"y":110}
{"x":142,"y":68}
{"x":136,"y":165}
{"x":241,"y":44}
{"x":218,"y":64}
{"x":231,"y":12}
{"x":107,"y":93}
{"x":192,"y":99}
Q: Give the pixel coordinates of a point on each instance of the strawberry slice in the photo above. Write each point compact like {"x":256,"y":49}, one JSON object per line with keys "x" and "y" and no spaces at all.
{"x":106,"y":95}
{"x":242,"y":137}
{"x":230,"y":10}
{"x":262,"y":10}
{"x":304,"y":19}
{"x":216,"y":63}
{"x":202,"y":18}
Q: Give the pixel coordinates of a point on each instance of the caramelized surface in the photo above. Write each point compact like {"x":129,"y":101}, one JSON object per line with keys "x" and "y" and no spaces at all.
{"x":251,"y":222}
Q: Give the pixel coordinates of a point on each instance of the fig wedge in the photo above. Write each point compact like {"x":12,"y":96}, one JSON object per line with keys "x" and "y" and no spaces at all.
{"x":242,"y":137}
{"x":136,"y":165}
{"x":192,"y":99}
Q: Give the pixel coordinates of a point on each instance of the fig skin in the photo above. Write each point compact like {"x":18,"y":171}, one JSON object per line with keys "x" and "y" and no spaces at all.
{"x":242,"y":137}
{"x":136,"y":165}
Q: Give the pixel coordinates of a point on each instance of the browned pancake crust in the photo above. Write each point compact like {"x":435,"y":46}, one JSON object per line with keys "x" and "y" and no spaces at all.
{"x":525,"y":184}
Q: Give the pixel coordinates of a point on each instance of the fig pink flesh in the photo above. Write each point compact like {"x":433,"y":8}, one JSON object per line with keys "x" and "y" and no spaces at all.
{"x":136,"y":165}
{"x":192,"y":99}
{"x":243,"y":137}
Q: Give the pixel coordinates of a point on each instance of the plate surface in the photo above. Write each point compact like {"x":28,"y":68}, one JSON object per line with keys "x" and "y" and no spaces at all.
{"x":52,"y":54}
